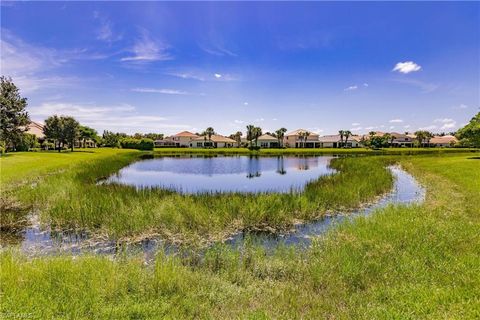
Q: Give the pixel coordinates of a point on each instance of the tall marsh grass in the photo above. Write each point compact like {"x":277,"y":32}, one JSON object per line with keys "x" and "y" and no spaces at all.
{"x":73,"y":199}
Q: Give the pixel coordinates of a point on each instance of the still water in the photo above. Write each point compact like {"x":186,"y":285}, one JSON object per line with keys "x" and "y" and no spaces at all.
{"x":223,"y":174}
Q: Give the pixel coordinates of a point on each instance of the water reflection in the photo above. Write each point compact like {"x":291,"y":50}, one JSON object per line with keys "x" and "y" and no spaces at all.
{"x":246,"y":174}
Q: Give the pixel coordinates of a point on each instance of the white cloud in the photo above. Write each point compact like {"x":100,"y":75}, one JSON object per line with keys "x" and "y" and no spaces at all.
{"x":355,"y":124}
{"x":120,"y":118}
{"x":447,"y":123}
{"x":259,"y":120}
{"x":431,"y":127}
{"x":392,"y":127}
{"x":163,"y":91}
{"x":354,"y":87}
{"x":217,"y":49}
{"x":217,"y":75}
{"x":406,"y":67}
{"x":370,"y":128}
{"x":186,"y":75}
{"x":444,"y":120}
{"x":396,"y":121}
{"x":105,"y":30}
{"x":274,"y":119}
{"x":245,"y":103}
{"x":356,"y":129}
{"x":147,"y":49}
{"x":365,"y":84}
{"x":238,"y":121}
{"x":407,"y":126}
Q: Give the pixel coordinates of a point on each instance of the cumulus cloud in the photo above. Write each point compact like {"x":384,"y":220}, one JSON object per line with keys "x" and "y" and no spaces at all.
{"x":355,"y":124}
{"x":365,"y":84}
{"x":245,"y":103}
{"x":447,"y":123}
{"x":461,"y":106}
{"x":121,"y":118}
{"x":406,"y":67}
{"x":163,"y":91}
{"x":396,"y":121}
{"x":217,"y":75}
{"x":147,"y":49}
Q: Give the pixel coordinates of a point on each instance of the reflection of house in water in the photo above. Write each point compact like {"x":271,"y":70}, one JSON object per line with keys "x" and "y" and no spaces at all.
{"x":253,"y":167}
{"x":281,"y":166}
{"x":304,"y":162}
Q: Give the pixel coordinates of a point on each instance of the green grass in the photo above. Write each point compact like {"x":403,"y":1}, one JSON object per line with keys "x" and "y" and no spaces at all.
{"x":418,"y":262}
{"x":71,"y":199}
{"x":320,"y":151}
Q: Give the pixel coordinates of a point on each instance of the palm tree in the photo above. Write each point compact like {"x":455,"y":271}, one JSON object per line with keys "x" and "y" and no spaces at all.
{"x":392,"y":137}
{"x":305,"y":137}
{"x":423,"y":136}
{"x":250,"y":128}
{"x":347,"y":133}
{"x":238,"y":138}
{"x":257,"y":132}
{"x":209,"y":132}
{"x":280,"y":135}
{"x":341,"y":133}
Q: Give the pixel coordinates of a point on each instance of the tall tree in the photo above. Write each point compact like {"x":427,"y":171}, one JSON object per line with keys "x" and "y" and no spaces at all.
{"x":87,"y":133}
{"x":423,"y":137}
{"x":306,"y":134}
{"x":347,"y":134}
{"x":209,"y":132}
{"x":70,"y":131}
{"x":53,"y":130}
{"x":250,"y":128}
{"x":341,"y":133}
{"x":14,"y":119}
{"x":280,"y":135}
{"x":257,"y":132}
{"x":238,"y":137}
{"x":470,"y":134}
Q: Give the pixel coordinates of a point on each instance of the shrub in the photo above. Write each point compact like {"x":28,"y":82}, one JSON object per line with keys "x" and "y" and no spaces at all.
{"x":140,"y":144}
{"x":26,"y":142}
{"x":48,"y":145}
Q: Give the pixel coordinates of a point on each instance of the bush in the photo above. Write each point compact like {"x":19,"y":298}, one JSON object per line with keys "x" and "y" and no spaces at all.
{"x":48,"y":145}
{"x":140,"y":144}
{"x":26,"y":142}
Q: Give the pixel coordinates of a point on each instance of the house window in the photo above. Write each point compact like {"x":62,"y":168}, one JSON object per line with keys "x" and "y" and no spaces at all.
{"x":264,"y":144}
{"x":199,"y":144}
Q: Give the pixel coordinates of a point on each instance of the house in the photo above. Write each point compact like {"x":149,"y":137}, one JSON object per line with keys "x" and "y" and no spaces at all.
{"x":443,"y":141}
{"x":401,"y":140}
{"x":335,"y":141}
{"x":294,"y":139}
{"x":181,"y":139}
{"x":215,"y":141}
{"x":268,"y":141}
{"x":36,"y":128}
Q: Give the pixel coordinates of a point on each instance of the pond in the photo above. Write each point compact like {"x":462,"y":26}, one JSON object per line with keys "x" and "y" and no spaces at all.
{"x":38,"y":240}
{"x":223,"y":174}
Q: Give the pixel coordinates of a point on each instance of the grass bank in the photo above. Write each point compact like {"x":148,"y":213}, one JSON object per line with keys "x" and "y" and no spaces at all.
{"x":71,"y":199}
{"x":320,"y":151}
{"x":418,"y":262}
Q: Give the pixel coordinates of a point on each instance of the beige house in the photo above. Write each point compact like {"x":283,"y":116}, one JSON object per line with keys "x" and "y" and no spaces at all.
{"x":36,"y":128}
{"x":267,"y":141}
{"x":443,"y":141}
{"x":215,"y":141}
{"x":181,"y":139}
{"x":402,"y":140}
{"x":294,"y":139}
{"x":335,"y":141}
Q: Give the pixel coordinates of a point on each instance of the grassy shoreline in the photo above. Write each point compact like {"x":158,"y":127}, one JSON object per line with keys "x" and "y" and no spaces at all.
{"x":415,"y":262}
{"x":71,"y":199}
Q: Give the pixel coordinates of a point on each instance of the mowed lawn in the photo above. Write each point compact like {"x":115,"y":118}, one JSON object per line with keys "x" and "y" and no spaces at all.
{"x":416,"y":262}
{"x":19,"y":166}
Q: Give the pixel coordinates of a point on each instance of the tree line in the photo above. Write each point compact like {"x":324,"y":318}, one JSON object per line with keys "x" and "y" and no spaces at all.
{"x":65,"y":132}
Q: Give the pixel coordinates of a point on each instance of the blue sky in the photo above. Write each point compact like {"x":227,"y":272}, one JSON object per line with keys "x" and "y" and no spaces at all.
{"x":168,"y":67}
